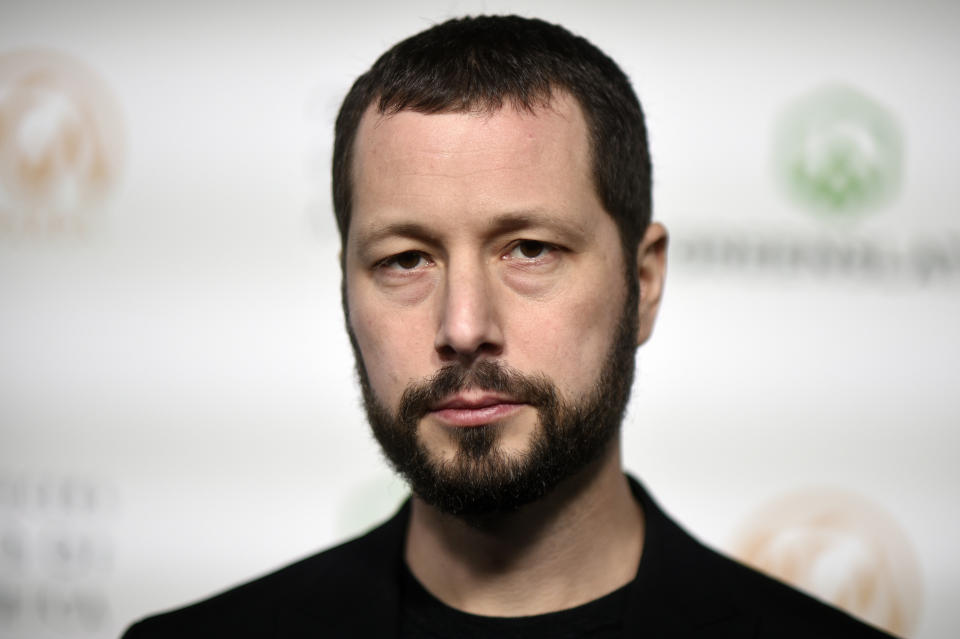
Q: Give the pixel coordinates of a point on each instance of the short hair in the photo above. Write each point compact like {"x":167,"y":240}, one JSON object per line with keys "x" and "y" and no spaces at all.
{"x":479,"y":64}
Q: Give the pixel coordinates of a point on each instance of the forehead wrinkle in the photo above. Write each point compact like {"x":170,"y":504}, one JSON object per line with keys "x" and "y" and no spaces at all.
{"x":496,"y":156}
{"x":561,"y":106}
{"x":391,"y":165}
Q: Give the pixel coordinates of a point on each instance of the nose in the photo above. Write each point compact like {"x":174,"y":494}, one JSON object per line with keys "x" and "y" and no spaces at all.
{"x":469,"y":323}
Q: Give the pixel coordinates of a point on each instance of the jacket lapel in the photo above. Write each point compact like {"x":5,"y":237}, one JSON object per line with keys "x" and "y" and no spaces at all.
{"x":357,"y":595}
{"x":669,"y":597}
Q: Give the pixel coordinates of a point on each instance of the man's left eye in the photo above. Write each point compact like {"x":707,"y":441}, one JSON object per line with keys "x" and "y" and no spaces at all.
{"x":406,"y":261}
{"x":530,"y":250}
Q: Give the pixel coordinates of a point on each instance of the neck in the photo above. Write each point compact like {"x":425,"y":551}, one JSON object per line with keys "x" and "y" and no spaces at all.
{"x":578,"y":543}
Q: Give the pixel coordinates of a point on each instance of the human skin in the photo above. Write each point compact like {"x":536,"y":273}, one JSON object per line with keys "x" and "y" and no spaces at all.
{"x":480,"y":236}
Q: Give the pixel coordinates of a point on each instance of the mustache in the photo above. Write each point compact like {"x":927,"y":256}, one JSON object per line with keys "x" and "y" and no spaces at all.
{"x":485,"y":375}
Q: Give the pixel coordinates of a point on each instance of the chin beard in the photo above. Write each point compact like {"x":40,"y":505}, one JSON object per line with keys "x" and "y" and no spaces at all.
{"x":481,"y":479}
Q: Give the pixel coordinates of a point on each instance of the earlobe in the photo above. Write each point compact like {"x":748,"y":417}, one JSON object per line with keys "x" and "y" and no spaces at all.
{"x":651,"y":271}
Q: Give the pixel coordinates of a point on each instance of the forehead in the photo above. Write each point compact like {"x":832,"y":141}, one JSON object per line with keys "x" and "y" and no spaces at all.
{"x":509,"y":157}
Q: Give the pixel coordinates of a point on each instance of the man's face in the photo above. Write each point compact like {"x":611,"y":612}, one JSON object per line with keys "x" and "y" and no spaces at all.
{"x":487,"y":300}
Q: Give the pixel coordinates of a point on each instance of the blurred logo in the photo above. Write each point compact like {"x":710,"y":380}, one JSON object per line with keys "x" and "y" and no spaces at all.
{"x":60,"y":142}
{"x":55,"y":554}
{"x":840,"y":548}
{"x":839,"y":152}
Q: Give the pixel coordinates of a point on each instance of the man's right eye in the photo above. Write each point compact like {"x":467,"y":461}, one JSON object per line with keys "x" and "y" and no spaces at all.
{"x":406,"y":261}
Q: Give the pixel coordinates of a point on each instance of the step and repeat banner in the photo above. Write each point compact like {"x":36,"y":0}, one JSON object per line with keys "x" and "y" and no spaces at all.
{"x":178,"y":409}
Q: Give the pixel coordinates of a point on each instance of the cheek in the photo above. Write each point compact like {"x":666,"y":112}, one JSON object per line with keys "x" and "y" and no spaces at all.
{"x":568,"y":340}
{"x":391,"y":345}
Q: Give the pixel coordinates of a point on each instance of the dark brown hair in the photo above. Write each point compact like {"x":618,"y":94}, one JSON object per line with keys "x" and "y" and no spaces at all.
{"x":478,"y":64}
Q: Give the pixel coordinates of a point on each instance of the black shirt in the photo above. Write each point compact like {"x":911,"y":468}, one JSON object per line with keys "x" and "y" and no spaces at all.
{"x":424,"y":616}
{"x":683,"y":590}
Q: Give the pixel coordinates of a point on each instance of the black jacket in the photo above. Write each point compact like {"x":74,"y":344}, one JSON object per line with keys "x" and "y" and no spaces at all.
{"x":682,"y":589}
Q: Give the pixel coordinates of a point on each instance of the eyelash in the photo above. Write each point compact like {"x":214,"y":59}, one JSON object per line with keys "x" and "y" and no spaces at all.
{"x":545,"y":249}
{"x":394,"y":261}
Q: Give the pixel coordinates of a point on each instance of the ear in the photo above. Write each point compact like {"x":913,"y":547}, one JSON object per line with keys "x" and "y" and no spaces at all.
{"x":651,"y":270}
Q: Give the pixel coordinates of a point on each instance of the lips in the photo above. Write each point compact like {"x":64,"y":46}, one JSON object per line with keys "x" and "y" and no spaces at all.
{"x":474,"y":409}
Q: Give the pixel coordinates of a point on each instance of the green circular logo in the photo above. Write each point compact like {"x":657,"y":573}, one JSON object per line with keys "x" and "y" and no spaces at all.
{"x":839,"y":152}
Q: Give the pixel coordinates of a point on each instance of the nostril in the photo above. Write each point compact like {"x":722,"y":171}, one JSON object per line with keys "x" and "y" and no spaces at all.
{"x":447,"y":352}
{"x":489,"y":348}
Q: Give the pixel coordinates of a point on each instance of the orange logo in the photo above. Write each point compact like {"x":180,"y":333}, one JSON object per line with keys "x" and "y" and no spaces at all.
{"x":60,"y":142}
{"x":841,"y":549}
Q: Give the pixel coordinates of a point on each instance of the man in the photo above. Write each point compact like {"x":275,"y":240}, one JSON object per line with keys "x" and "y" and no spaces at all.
{"x":492,"y":190}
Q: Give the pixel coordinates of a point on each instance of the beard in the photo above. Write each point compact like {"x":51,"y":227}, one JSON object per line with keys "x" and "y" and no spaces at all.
{"x":481,"y":479}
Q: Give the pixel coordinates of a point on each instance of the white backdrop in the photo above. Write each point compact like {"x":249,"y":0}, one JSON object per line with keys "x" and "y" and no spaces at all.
{"x":177,"y":404}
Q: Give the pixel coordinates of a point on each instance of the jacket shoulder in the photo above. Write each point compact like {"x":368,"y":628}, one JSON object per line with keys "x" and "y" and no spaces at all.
{"x":256,"y":608}
{"x":700,"y":592}
{"x":779,"y":611}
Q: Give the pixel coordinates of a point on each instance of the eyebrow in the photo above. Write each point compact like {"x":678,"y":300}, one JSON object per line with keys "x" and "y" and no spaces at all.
{"x":519,"y":220}
{"x":411,"y":230}
{"x":501,"y":224}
